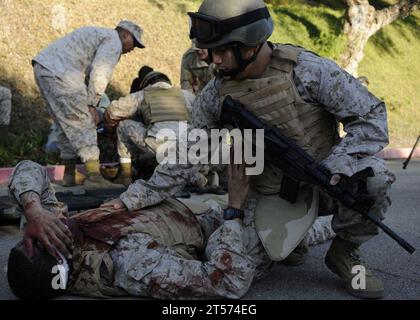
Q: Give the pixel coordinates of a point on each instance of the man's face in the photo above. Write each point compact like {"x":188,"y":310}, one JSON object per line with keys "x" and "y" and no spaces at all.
{"x":127,"y":41}
{"x":225,"y":61}
{"x":202,"y":54}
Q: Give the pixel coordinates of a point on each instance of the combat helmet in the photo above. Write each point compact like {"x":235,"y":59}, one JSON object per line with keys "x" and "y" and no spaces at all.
{"x":219,"y":22}
{"x":235,"y":22}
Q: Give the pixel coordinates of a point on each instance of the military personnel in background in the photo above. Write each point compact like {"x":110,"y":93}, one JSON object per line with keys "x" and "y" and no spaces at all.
{"x":72,"y":75}
{"x":156,"y":252}
{"x":305,"y":96}
{"x":5,"y":106}
{"x":196,"y":69}
{"x":159,"y":106}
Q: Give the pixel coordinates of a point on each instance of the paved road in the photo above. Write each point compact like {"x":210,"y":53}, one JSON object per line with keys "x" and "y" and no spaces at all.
{"x":399,"y":270}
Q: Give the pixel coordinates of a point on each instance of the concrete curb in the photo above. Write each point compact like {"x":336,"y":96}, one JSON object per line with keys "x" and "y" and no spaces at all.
{"x":398,"y":153}
{"x":56,"y":173}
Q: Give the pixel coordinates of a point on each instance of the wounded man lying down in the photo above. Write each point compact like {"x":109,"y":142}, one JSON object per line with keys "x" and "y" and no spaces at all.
{"x":172,"y":250}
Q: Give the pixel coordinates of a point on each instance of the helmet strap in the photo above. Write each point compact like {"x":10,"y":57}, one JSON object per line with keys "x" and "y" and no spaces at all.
{"x":240,"y":61}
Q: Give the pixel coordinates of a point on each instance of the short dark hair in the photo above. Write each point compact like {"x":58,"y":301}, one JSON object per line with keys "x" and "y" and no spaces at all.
{"x":30,"y":278}
{"x":136,"y":84}
{"x":139,"y":83}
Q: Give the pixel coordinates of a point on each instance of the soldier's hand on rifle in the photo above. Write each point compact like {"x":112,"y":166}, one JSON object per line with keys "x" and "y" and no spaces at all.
{"x":335,"y":179}
{"x":49,"y":230}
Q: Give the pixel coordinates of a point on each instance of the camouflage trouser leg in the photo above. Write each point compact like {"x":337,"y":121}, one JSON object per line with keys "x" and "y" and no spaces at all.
{"x":67,"y":104}
{"x":320,"y":231}
{"x":255,"y":248}
{"x":144,"y":267}
{"x":350,"y":225}
{"x":30,"y":176}
{"x":131,"y":139}
{"x":5,"y":106}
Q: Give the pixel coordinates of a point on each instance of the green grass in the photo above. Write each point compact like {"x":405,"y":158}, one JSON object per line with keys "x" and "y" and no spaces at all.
{"x":391,"y":63}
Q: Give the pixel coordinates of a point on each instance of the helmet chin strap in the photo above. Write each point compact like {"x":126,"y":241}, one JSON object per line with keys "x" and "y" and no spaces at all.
{"x":240,"y":61}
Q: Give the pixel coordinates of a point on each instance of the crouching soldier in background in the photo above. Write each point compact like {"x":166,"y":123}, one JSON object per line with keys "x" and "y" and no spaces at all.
{"x":157,"y":105}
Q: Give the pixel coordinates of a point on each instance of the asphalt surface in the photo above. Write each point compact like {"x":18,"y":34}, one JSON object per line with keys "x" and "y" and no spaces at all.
{"x":399,"y":270}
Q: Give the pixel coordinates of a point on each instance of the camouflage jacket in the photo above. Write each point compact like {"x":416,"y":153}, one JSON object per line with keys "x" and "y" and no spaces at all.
{"x":88,"y":52}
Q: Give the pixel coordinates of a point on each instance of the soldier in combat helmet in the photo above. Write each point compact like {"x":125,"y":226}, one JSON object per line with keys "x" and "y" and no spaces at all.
{"x":306,"y":97}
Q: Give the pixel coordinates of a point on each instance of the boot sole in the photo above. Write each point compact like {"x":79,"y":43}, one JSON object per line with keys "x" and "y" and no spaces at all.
{"x":361,"y":294}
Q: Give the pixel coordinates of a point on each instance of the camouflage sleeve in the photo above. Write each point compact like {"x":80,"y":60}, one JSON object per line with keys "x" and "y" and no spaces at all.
{"x":125,"y":107}
{"x":30,"y":176}
{"x":186,"y":76}
{"x":206,"y":108}
{"x":164,"y":183}
{"x":145,"y":267}
{"x":363,"y":115}
{"x":189,"y":99}
{"x":5,"y":105}
{"x":106,"y":58}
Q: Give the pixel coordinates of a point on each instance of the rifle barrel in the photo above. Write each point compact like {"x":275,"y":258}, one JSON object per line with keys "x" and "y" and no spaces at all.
{"x":409,"y":248}
{"x":405,"y":164}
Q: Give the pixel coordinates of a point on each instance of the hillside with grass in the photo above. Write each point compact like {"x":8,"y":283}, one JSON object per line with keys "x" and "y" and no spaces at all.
{"x":392,"y":62}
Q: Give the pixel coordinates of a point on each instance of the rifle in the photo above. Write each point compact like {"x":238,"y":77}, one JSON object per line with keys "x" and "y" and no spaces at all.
{"x":298,"y":166}
{"x":405,"y":164}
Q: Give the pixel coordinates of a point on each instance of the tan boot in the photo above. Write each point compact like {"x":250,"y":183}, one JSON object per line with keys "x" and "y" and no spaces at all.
{"x":124,"y":175}
{"x":69,"y":179}
{"x":72,"y":177}
{"x":297,"y":257}
{"x":94,"y":178}
{"x":342,"y":258}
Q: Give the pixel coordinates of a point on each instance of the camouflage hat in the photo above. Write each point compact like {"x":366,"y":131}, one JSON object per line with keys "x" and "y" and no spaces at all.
{"x":135,"y":30}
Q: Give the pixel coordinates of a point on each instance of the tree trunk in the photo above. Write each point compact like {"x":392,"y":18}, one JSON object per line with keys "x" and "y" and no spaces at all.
{"x":363,"y":21}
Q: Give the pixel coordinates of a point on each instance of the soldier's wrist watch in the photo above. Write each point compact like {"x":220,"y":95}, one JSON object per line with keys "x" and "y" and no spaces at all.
{"x":232,"y":213}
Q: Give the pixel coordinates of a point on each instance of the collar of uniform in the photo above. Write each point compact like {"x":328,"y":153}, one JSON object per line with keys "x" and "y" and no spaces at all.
{"x":161,"y":85}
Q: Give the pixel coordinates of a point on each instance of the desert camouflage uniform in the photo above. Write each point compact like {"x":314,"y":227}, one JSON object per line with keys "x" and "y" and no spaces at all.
{"x":5,"y":106}
{"x":233,"y":256}
{"x":30,"y":176}
{"x":363,"y":115}
{"x":195,"y":73}
{"x":72,"y":74}
{"x":132,"y":134}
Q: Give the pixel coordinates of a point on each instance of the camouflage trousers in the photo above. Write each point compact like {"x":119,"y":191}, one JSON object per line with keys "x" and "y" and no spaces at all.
{"x":68,"y":106}
{"x":143,"y":268}
{"x":349,"y":224}
{"x":5,"y":106}
{"x":234,"y":258}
